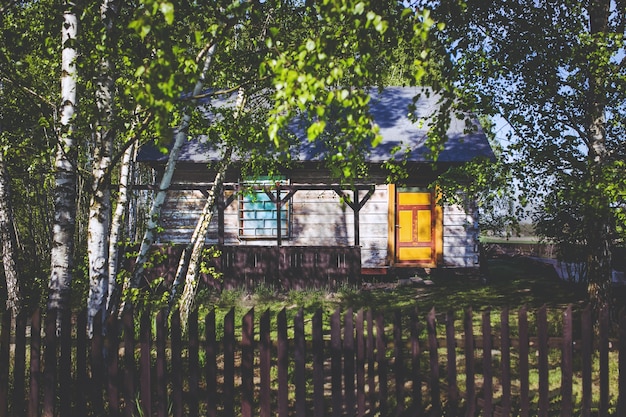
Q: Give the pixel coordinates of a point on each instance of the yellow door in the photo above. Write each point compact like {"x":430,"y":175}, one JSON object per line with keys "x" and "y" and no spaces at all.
{"x":415,"y":227}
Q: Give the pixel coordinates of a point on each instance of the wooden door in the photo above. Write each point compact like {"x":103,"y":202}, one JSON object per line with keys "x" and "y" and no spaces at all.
{"x":415,"y":227}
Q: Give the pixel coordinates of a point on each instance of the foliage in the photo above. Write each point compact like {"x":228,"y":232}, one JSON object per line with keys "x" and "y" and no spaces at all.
{"x":554,"y":71}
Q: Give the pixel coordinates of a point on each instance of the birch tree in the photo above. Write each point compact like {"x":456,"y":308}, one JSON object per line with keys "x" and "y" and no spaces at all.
{"x":65,"y":170}
{"x":9,"y":246}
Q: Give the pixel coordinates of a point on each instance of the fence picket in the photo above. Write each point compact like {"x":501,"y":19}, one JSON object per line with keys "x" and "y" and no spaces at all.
{"x":586,"y":342}
{"x":415,"y":365}
{"x":337,"y":369}
{"x":604,"y":361}
{"x":398,"y":364}
{"x":523,"y":363}
{"x":335,"y":364}
{"x":265,"y":364}
{"x":505,"y":352}
{"x":453,"y":390}
{"x":145,"y":368}
{"x":318,"y":364}
{"x":161,"y":364}
{"x":192,"y":363}
{"x":470,"y":383}
{"x":435,"y":398}
{"x":50,"y":365}
{"x":487,"y":367}
{"x":621,"y":402}
{"x":211,"y":364}
{"x":567,"y":364}
{"x":229,"y":364}
{"x":299,"y":364}
{"x":360,"y":364}
{"x":542,"y":347}
{"x":129,"y":363}
{"x":283,"y":364}
{"x":35,"y":363}
{"x":247,"y":362}
{"x":5,"y":341}
{"x":19,"y":366}
{"x":381,"y":360}
{"x":348,"y":362}
{"x":176,"y":371}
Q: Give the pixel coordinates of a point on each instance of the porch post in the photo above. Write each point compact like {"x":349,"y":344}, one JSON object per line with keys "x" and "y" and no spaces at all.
{"x":279,"y":204}
{"x":356,"y":209}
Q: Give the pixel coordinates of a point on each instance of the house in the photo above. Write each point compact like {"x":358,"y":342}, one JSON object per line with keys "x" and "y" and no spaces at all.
{"x":304,"y":228}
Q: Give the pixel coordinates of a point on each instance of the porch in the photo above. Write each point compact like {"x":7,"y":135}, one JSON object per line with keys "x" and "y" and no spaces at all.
{"x":284,"y":267}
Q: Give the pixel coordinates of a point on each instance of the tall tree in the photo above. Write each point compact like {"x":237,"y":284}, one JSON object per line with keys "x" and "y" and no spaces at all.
{"x":65,"y":169}
{"x":554,"y":70}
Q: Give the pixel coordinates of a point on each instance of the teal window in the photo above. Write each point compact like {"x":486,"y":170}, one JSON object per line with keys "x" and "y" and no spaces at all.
{"x":258,"y":212}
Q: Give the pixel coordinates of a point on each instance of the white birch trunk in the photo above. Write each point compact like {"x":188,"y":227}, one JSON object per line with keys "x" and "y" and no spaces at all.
{"x":100,"y":202}
{"x":155,"y":210}
{"x":65,"y":176}
{"x":189,"y":264}
{"x":117,"y":225}
{"x":7,"y":236}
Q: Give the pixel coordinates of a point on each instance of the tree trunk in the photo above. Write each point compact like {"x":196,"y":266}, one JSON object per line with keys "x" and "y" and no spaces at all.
{"x":7,"y":236}
{"x":190,"y":259}
{"x":117,"y":225}
{"x":598,"y":213}
{"x":100,"y":202}
{"x":65,"y":174}
{"x":155,"y":210}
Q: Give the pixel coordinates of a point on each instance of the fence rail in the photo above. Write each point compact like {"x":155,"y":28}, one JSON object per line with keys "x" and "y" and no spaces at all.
{"x":346,"y":363}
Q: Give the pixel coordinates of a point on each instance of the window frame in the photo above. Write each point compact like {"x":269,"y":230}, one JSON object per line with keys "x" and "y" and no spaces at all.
{"x":258,"y":188}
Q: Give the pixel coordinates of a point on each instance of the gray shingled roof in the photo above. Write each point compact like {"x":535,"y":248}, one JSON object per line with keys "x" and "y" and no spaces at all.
{"x":390,"y":109}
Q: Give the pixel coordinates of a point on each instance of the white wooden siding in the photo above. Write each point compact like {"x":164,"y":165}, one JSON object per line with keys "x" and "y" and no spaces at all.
{"x":318,"y":218}
{"x":460,"y":237}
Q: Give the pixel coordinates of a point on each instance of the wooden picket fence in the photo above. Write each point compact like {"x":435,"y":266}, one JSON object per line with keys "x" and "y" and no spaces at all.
{"x":351,"y":363}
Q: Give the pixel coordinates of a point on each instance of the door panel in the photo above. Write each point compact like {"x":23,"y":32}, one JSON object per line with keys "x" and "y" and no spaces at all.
{"x":415,"y":237}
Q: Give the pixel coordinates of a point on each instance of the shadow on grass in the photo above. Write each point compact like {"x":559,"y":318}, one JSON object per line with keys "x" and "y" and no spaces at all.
{"x":511,"y":283}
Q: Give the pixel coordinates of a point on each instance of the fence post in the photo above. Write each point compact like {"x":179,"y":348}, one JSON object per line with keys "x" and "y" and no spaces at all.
{"x":470,"y":383}
{"x":211,"y":364}
{"x":381,"y":359}
{"x":265,"y":364}
{"x":145,"y":367}
{"x":35,"y":363}
{"x":523,"y":362}
{"x":604,"y":361}
{"x":193,"y":363}
{"x":82,"y":389}
{"x":587,"y":343}
{"x":19,"y":365}
{"x":335,"y":363}
{"x":487,"y":367}
{"x":348,"y":361}
{"x":431,"y":325}
{"x":177,"y":365}
{"x":5,"y":340}
{"x":161,"y":366}
{"x":544,"y":385}
{"x":369,"y":354}
{"x":129,"y":362}
{"x":229,"y":363}
{"x":567,"y":364}
{"x":300,"y":364}
{"x":50,"y":365}
{"x":453,"y":390}
{"x":283,"y":364}
{"x":505,"y":349}
{"x":65,"y":365}
{"x":415,"y":364}
{"x":360,"y":364}
{"x":247,"y":364}
{"x":398,"y":364}
{"x":621,"y":401}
